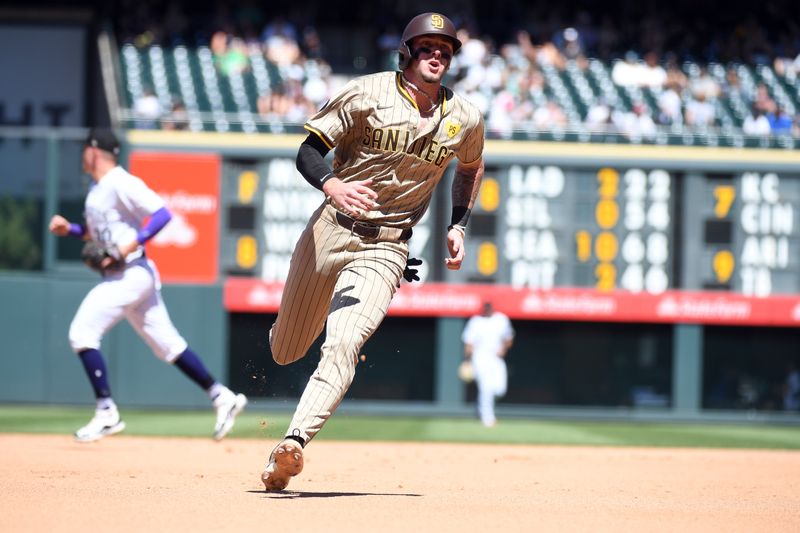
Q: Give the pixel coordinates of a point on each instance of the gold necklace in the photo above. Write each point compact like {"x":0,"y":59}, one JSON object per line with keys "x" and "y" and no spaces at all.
{"x":420,"y":91}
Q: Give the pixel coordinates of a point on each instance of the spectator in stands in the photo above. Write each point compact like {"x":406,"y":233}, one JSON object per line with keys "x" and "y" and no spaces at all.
{"x":787,"y":67}
{"x":230,"y":53}
{"x":704,"y":84}
{"x":637,"y":124}
{"x":779,"y":122}
{"x":571,"y":44}
{"x":299,"y":107}
{"x":550,"y":116}
{"x":536,"y":84}
{"x":273,"y":105}
{"x":732,"y":87}
{"x":237,"y":59}
{"x":699,"y":111}
{"x":545,"y":54}
{"x":472,"y":66}
{"x":316,"y":87}
{"x":598,"y":116}
{"x":177,"y":119}
{"x":675,"y":76}
{"x":496,"y":73}
{"x":670,"y":106}
{"x":473,"y":50}
{"x":653,"y":74}
{"x":628,"y":72}
{"x":763,"y":99}
{"x":279,"y":26}
{"x":519,"y":83}
{"x":796,"y":127}
{"x":280,"y":43}
{"x":756,"y":122}
{"x":499,"y":121}
{"x":478,"y":97}
{"x":147,"y":110}
{"x":311,"y":45}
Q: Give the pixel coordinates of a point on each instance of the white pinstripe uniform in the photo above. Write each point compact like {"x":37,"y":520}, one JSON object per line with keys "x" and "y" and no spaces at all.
{"x":344,"y":277}
{"x":115,"y":209}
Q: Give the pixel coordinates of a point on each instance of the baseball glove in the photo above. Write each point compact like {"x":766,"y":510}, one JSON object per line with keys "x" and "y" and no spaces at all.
{"x":465,"y":371}
{"x":101,"y":257}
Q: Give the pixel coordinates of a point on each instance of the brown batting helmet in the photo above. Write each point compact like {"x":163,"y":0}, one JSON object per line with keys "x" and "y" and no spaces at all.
{"x":425,"y":24}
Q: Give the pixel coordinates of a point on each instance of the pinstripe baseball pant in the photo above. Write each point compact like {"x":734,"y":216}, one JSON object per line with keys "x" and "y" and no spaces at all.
{"x":338,"y":275}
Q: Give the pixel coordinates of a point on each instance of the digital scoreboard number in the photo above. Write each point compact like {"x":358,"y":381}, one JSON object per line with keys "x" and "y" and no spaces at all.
{"x":541,"y":227}
{"x":628,"y":242}
{"x":748,"y":240}
{"x":241,"y":201}
{"x":267,"y":205}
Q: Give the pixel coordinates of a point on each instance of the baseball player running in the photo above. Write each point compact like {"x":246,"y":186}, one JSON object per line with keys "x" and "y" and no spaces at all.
{"x":116,"y":206}
{"x":487,"y":338}
{"x":394,"y":134}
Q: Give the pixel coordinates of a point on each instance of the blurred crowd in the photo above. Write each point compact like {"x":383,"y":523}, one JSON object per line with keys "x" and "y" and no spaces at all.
{"x":556,"y":70}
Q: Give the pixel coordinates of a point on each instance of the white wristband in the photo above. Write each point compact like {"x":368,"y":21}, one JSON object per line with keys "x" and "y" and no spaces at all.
{"x":458,"y":227}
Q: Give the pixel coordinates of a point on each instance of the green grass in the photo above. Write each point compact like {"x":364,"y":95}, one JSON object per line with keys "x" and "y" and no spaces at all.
{"x":64,"y":420}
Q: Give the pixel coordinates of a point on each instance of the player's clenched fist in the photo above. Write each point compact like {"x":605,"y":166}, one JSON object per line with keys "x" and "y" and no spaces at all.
{"x":352,"y":197}
{"x":59,"y":225}
{"x":455,"y":245}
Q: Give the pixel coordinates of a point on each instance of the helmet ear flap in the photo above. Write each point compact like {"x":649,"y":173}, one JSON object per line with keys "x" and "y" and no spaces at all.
{"x":403,"y":56}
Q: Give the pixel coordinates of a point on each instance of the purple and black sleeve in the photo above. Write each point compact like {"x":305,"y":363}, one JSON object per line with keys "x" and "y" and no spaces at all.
{"x":156,"y":223}
{"x":76,"y":230}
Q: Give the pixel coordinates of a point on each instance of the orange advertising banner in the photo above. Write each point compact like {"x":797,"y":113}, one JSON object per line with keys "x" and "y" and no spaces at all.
{"x":187,"y":249}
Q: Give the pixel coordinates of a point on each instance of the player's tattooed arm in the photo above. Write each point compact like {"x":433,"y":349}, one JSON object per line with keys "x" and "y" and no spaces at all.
{"x":466,"y":184}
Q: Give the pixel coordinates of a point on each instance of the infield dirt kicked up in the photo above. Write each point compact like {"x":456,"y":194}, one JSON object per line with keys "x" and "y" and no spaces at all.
{"x":141,"y":484}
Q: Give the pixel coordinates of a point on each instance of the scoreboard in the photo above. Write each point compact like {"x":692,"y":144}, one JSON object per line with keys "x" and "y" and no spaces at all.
{"x":542,"y":227}
{"x":560,"y":231}
{"x":745,"y":236}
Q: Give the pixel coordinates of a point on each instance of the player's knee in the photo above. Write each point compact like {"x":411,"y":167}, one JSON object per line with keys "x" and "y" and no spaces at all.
{"x":82,"y":337}
{"x":78,"y":342}
{"x":284,"y":357}
{"x":283,"y":353}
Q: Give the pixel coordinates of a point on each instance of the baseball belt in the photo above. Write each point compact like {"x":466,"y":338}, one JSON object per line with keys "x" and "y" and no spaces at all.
{"x":371,"y":231}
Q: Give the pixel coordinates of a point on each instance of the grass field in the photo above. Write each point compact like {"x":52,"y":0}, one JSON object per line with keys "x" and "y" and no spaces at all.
{"x":64,"y":420}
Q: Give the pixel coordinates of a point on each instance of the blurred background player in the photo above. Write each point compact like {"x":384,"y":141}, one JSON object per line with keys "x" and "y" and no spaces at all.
{"x":115,"y":208}
{"x":487,"y":338}
{"x":394,"y":135}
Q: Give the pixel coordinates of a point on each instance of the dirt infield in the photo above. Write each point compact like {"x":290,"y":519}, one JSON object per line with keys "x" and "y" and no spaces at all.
{"x":139,"y":484}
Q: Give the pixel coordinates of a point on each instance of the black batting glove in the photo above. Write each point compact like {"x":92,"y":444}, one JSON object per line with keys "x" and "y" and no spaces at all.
{"x":410,"y":274}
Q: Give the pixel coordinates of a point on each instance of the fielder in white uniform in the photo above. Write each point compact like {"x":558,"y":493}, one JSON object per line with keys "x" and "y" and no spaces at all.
{"x":116,"y":206}
{"x":487,"y":338}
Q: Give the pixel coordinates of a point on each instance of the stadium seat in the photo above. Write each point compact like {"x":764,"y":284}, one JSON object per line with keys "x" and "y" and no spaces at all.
{"x":218,"y":102}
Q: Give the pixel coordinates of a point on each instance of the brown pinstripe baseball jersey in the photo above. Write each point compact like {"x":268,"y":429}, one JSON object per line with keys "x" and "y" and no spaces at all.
{"x":343,"y":281}
{"x":373,"y":123}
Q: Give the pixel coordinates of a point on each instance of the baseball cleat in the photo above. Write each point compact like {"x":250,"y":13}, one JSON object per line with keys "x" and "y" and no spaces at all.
{"x":285,"y":462}
{"x":228,"y":406}
{"x":105,"y":422}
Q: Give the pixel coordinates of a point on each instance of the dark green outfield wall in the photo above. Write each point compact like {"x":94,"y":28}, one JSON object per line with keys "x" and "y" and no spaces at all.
{"x":37,"y":365}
